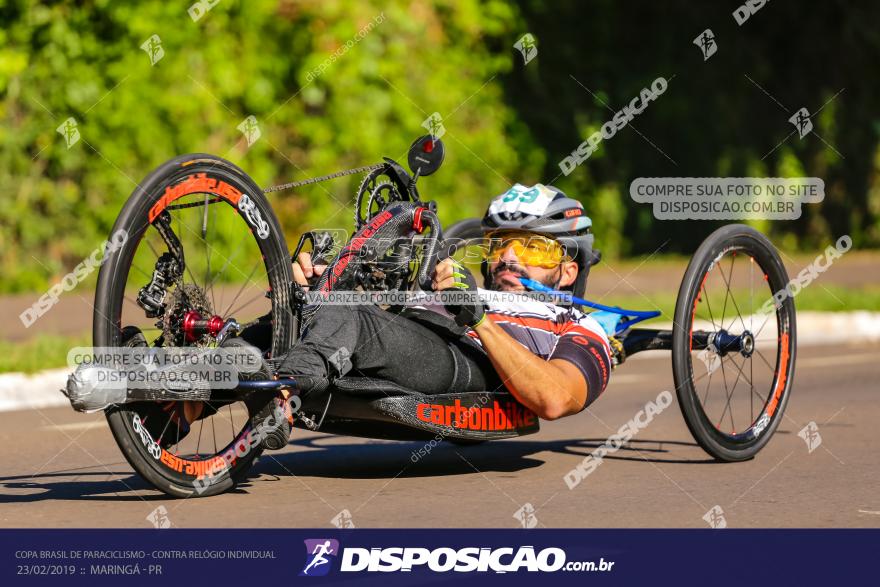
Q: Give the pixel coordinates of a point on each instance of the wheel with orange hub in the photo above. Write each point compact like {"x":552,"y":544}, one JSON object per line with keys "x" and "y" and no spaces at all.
{"x":734,"y":343}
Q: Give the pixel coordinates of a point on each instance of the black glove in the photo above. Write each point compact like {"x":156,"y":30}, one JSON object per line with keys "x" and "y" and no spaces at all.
{"x":469,"y":314}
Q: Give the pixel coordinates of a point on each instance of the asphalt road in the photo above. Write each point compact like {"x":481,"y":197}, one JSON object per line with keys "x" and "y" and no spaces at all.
{"x":62,"y":469}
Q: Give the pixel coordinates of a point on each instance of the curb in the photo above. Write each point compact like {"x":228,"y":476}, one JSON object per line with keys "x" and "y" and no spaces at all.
{"x":19,"y":391}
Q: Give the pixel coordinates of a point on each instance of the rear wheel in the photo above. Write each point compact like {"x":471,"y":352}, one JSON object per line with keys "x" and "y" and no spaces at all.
{"x":210,"y":214}
{"x":733,"y":393}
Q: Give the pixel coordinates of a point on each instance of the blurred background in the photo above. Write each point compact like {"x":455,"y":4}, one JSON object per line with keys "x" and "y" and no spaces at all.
{"x":334,"y":84}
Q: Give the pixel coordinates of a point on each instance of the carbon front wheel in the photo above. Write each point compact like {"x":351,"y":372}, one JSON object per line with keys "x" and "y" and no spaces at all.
{"x":207,"y":215}
{"x":733,"y":343}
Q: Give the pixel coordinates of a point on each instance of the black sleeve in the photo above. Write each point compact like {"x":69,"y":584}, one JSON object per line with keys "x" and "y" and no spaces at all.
{"x":589,"y":354}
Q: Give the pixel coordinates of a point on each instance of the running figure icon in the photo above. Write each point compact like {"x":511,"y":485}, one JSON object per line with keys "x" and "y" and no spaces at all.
{"x":318,"y":556}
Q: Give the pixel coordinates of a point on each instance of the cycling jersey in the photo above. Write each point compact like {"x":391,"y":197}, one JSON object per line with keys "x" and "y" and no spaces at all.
{"x":551,"y":332}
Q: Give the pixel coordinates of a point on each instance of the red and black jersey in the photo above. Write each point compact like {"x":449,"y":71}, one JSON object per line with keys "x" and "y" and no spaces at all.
{"x":551,"y":332}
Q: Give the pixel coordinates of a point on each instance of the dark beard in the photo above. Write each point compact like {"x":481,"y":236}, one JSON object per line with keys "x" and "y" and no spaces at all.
{"x":520,"y":271}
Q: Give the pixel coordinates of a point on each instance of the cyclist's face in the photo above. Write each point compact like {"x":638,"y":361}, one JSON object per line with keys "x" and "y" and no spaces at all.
{"x":511,"y":261}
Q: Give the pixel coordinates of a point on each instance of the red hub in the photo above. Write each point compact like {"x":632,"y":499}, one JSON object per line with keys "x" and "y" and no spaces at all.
{"x":194,"y":326}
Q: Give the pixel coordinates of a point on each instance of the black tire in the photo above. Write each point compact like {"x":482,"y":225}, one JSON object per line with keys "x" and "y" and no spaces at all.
{"x":110,"y":294}
{"x":469,"y":228}
{"x":694,"y":297}
{"x":464,"y":442}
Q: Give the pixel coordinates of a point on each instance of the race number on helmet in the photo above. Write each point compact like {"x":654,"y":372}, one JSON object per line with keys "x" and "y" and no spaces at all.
{"x":539,"y":208}
{"x":521,"y":199}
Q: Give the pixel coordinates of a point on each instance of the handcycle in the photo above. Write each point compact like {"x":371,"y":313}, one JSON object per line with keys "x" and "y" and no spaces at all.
{"x":198,"y":217}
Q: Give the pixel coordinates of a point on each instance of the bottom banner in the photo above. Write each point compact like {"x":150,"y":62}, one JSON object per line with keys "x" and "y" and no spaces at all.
{"x":407,"y":557}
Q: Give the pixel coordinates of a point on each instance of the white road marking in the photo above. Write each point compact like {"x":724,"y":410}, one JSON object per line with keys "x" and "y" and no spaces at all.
{"x":76,"y":426}
{"x":837,"y":360}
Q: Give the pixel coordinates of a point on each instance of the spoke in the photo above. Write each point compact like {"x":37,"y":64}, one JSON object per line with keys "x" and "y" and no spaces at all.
{"x":231,"y":421}
{"x":179,"y":224}
{"x":214,"y":431}
{"x":727,"y":291}
{"x":751,"y":292}
{"x":709,"y":306}
{"x":125,"y":298}
{"x":152,"y":247}
{"x":236,"y":251}
{"x":738,"y":368}
{"x":193,"y":277}
{"x":726,"y":393}
{"x":733,"y":299}
{"x":761,"y":329}
{"x":205,"y":218}
{"x":149,"y":276}
{"x":207,"y":252}
{"x":246,"y":304}
{"x":751,"y":392}
{"x":177,"y":441}
{"x":729,"y":397}
{"x":241,"y":290}
{"x":751,"y":383}
{"x":199,"y":442}
{"x":162,"y":434}
{"x":701,"y":376}
{"x":769,"y":366}
{"x":708,"y":384}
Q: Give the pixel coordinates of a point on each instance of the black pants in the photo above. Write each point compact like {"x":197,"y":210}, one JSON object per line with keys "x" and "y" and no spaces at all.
{"x":419,"y":350}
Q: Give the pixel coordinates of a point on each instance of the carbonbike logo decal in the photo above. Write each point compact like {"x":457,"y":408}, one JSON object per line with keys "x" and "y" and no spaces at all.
{"x":507,"y":416}
{"x":244,"y":444}
{"x":198,"y":183}
{"x":246,"y":205}
{"x":207,"y":471}
{"x":151,"y":445}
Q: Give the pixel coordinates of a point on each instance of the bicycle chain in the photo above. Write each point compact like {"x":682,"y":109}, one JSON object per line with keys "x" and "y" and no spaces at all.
{"x":302,"y":182}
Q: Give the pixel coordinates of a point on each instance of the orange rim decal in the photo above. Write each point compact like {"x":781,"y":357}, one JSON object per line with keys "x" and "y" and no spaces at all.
{"x":198,"y":183}
{"x":212,"y":467}
{"x":783,"y":375}
{"x":694,"y":312}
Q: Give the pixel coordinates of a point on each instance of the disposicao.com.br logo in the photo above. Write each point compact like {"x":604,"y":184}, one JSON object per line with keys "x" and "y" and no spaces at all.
{"x":441,"y":560}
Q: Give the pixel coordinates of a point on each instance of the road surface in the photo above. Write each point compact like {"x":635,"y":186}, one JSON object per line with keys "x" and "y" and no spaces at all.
{"x":62,"y":469}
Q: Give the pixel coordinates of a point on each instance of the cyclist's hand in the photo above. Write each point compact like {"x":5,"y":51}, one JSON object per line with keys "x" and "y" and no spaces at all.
{"x":451,"y":276}
{"x":304,"y":273}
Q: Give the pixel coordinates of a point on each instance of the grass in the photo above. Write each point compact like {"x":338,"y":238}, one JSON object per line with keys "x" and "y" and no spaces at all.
{"x":817,"y":298}
{"x":41,"y":352}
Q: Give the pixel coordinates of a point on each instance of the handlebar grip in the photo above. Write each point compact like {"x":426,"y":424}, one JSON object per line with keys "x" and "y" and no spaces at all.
{"x":433,"y":252}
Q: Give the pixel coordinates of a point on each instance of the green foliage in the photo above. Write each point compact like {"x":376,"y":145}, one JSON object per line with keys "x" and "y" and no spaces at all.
{"x":340,"y":83}
{"x":386,"y":68}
